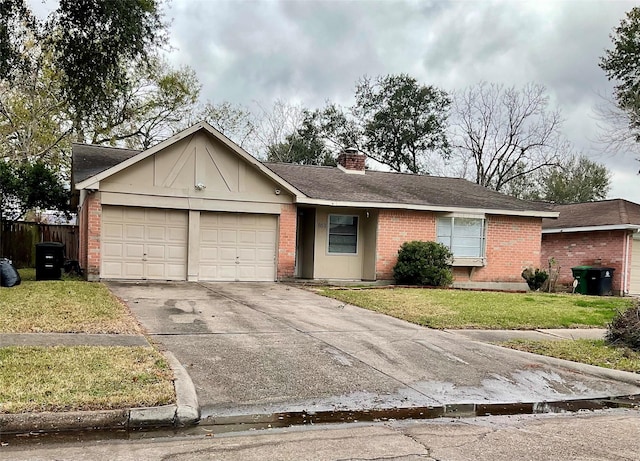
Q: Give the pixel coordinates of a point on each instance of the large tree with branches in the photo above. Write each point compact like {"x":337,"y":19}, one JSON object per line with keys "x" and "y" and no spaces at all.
{"x":500,"y":134}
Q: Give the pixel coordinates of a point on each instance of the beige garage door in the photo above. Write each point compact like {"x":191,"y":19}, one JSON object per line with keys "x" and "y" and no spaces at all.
{"x":144,"y":243}
{"x":634,"y":279}
{"x":237,"y":247}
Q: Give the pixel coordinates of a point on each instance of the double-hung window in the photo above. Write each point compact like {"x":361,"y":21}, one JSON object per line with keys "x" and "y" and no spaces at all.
{"x":343,"y":234}
{"x":464,"y":236}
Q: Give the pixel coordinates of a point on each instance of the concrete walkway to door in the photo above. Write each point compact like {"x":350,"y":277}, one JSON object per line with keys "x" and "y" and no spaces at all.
{"x":264,"y":348}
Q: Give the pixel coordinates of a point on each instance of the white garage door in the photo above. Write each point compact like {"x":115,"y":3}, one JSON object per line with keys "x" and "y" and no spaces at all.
{"x":634,"y":279}
{"x":237,"y":247}
{"x":144,"y":243}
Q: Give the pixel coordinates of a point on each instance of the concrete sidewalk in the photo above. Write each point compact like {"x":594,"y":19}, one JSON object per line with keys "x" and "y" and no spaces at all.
{"x":493,"y":336}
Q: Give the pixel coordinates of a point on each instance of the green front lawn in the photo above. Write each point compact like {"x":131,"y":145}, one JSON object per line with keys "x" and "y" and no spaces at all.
{"x":592,"y":352}
{"x":62,"y":306}
{"x":437,"y":308}
{"x":82,"y":378}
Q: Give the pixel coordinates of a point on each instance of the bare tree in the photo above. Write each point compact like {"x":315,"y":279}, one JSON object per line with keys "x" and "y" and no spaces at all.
{"x":274,"y":124}
{"x":618,"y":127}
{"x":501,"y":134}
{"x":234,"y":121}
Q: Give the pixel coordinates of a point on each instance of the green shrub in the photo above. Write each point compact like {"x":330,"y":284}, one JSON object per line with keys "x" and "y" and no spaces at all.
{"x":535,"y":279}
{"x":423,"y":263}
{"x":624,"y":329}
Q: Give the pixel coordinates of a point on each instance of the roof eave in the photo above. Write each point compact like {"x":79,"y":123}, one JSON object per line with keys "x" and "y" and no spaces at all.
{"x":435,"y":208}
{"x":560,"y":230}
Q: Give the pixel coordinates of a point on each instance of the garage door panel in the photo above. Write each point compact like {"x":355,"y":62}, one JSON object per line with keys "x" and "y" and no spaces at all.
{"x":227,"y":255}
{"x":227,"y":272}
{"x":247,"y":237}
{"x":156,"y":252}
{"x":208,"y":255}
{"x":113,"y":231}
{"x":266,"y":238}
{"x":265,"y":256}
{"x":634,"y":279}
{"x":247,"y":254}
{"x":112,"y":269}
{"x":176,"y":253}
{"x":133,"y":250}
{"x":155,"y":270}
{"x":133,"y":232}
{"x":112,"y":250}
{"x":228,"y":236}
{"x":237,"y":246}
{"x":133,"y":270}
{"x":208,"y":236}
{"x":144,"y":243}
{"x":131,"y":214}
{"x":156,"y":233}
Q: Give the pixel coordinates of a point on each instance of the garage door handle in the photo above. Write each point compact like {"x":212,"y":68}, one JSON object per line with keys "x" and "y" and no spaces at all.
{"x":237,"y":259}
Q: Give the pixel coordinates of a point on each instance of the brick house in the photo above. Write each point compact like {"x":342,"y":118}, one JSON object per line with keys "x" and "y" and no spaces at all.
{"x":603,"y":233}
{"x":198,"y":207}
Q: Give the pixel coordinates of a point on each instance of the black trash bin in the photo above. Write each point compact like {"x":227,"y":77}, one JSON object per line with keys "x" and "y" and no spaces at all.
{"x":49,"y":260}
{"x":599,"y":281}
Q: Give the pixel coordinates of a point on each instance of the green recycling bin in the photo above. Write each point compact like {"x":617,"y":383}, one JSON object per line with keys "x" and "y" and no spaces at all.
{"x":580,"y":274}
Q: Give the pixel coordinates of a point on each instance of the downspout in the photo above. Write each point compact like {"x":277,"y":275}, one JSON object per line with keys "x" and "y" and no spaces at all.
{"x":625,"y":289}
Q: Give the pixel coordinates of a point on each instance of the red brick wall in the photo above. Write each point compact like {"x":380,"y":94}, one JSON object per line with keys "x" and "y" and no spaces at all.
{"x":82,"y":238}
{"x":513,"y":243}
{"x":585,"y":249}
{"x":92,"y":233}
{"x":287,"y":242}
{"x":396,"y":227}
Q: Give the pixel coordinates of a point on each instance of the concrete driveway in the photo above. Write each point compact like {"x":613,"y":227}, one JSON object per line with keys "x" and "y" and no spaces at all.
{"x":263,"y":348}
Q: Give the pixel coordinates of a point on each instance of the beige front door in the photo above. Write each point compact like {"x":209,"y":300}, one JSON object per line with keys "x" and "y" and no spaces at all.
{"x":237,"y":247}
{"x":144,"y":243}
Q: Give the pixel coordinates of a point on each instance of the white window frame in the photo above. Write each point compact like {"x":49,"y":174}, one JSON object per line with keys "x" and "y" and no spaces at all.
{"x":334,"y":253}
{"x":464,"y":260}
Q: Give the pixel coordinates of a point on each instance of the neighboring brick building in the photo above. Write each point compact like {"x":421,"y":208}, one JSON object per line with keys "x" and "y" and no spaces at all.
{"x":198,"y":207}
{"x":603,"y":233}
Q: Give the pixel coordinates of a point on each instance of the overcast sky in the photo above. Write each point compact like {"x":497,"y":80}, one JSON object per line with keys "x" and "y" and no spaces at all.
{"x":312,"y":51}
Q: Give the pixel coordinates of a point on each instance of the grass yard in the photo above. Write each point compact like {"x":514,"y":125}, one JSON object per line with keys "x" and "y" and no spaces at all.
{"x":82,"y":378}
{"x":592,"y":352}
{"x":485,"y":310}
{"x":62,"y":306}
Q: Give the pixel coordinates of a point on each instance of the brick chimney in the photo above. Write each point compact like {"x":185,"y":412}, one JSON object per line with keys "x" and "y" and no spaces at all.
{"x":350,"y":161}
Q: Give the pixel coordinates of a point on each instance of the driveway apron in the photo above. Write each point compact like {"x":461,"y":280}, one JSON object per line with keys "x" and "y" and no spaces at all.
{"x":262,"y":348}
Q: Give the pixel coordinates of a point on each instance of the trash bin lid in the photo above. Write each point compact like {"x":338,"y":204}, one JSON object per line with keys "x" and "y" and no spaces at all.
{"x":581,"y":267}
{"x":49,"y":244}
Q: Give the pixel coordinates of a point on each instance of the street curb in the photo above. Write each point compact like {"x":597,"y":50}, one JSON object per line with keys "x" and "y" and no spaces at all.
{"x":188,"y":409}
{"x":186,"y":412}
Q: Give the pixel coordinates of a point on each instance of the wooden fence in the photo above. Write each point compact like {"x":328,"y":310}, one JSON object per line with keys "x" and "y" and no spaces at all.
{"x":18,"y":240}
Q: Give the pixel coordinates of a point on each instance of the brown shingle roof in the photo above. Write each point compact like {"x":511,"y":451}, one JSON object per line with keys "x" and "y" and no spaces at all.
{"x":603,"y":213}
{"x":329,"y":183}
{"x":88,"y":160}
